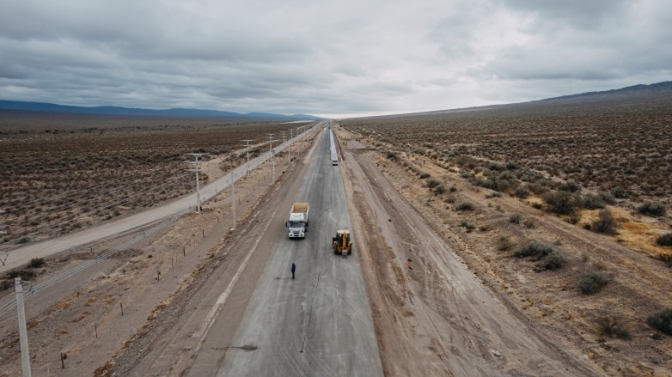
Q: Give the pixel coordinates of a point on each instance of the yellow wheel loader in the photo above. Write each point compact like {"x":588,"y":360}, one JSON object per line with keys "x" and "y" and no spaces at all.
{"x":341,"y":243}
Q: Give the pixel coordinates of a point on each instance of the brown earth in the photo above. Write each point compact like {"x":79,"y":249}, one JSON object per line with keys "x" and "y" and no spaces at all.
{"x":411,"y":275}
{"x":60,"y":173}
{"x":445,"y":299}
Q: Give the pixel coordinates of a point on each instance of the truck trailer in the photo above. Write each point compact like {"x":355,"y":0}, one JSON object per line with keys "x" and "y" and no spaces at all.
{"x":332,"y":148}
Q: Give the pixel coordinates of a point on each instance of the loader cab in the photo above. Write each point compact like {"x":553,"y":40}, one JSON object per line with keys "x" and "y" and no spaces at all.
{"x":341,"y":243}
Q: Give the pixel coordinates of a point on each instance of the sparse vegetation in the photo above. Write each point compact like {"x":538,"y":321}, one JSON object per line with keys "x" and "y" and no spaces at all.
{"x":55,"y":182}
{"x":467,"y":225}
{"x":592,"y":281}
{"x":561,"y":202}
{"x":521,"y":192}
{"x":605,"y":223}
{"x":432,"y":183}
{"x":607,"y":197}
{"x":36,"y":263}
{"x":652,"y":209}
{"x":591,"y":201}
{"x":569,"y":186}
{"x":546,"y":256}
{"x":515,"y":218}
{"x":534,"y":249}
{"x":504,"y":243}
{"x":664,"y":240}
{"x":465,"y":207}
{"x":553,"y":261}
{"x":666,"y":258}
{"x":613,"y":326}
{"x":661,"y":321}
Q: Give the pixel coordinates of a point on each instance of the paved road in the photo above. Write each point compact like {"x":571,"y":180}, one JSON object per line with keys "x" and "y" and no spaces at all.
{"x":317,"y":325}
{"x":43,"y":249}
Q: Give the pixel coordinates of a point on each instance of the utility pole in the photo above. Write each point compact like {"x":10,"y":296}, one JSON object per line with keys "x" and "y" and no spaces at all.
{"x":23,"y":332}
{"x":284,"y":136}
{"x":197,"y":170}
{"x":289,"y":149}
{"x":233,"y":201}
{"x":247,"y":147}
{"x":270,"y":139}
{"x":298,"y":131}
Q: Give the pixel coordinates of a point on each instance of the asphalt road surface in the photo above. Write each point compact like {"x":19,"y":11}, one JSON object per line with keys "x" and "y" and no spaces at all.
{"x":23,"y":255}
{"x":319,"y":324}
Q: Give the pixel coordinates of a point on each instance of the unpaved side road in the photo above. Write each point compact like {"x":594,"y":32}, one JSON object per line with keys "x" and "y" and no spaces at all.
{"x":433,"y":317}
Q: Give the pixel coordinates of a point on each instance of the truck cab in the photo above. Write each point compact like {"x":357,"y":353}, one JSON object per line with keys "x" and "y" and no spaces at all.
{"x":297,"y":225}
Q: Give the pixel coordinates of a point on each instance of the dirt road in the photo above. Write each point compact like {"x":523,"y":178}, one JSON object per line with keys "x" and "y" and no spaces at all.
{"x":432,"y":315}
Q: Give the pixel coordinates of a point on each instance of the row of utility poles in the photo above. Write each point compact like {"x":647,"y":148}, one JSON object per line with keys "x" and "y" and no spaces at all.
{"x":23,"y":332}
{"x":269,"y":138}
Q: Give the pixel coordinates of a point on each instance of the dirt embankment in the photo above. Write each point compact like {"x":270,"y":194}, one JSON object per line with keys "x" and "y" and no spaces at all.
{"x":506,"y":315}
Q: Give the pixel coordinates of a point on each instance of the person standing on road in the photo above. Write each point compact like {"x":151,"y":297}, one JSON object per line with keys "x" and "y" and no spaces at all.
{"x":293,"y":270}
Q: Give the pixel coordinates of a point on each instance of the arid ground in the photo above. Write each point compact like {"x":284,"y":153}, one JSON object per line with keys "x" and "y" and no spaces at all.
{"x":60,"y":173}
{"x":521,"y":240}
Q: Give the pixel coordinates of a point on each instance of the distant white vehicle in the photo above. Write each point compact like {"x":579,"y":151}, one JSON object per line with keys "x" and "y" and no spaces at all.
{"x":334,"y":152}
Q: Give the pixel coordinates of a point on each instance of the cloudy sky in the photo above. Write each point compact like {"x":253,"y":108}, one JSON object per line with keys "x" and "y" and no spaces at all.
{"x":333,"y":58}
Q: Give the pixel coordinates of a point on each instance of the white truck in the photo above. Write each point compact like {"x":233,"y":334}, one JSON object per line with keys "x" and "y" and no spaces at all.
{"x":298,"y":220}
{"x":332,"y":148}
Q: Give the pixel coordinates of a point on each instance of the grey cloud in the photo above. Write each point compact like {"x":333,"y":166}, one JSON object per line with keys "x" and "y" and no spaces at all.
{"x":581,"y":13}
{"x":348,"y":57}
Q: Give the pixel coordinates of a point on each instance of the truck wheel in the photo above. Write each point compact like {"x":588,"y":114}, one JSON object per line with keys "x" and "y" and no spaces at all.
{"x":350,"y":251}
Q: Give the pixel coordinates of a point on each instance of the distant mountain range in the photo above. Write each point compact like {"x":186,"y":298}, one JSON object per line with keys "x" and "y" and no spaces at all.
{"x":665,"y":86}
{"x":129,"y":111}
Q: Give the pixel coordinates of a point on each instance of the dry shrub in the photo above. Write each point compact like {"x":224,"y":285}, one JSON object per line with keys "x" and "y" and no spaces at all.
{"x":613,"y":326}
{"x":591,"y":201}
{"x":605,"y":223}
{"x":466,"y":206}
{"x":516,"y":218}
{"x":36,"y":263}
{"x":467,"y":225}
{"x":548,"y":258}
{"x":521,"y":192}
{"x":664,"y":240}
{"x":504,"y":243}
{"x":661,"y":321}
{"x":534,"y":249}
{"x":569,"y":186}
{"x":392,"y":156}
{"x":431,"y":183}
{"x":667,"y":258}
{"x":552,"y":261}
{"x":592,"y":281}
{"x":652,"y":209}
{"x":561,"y":202}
